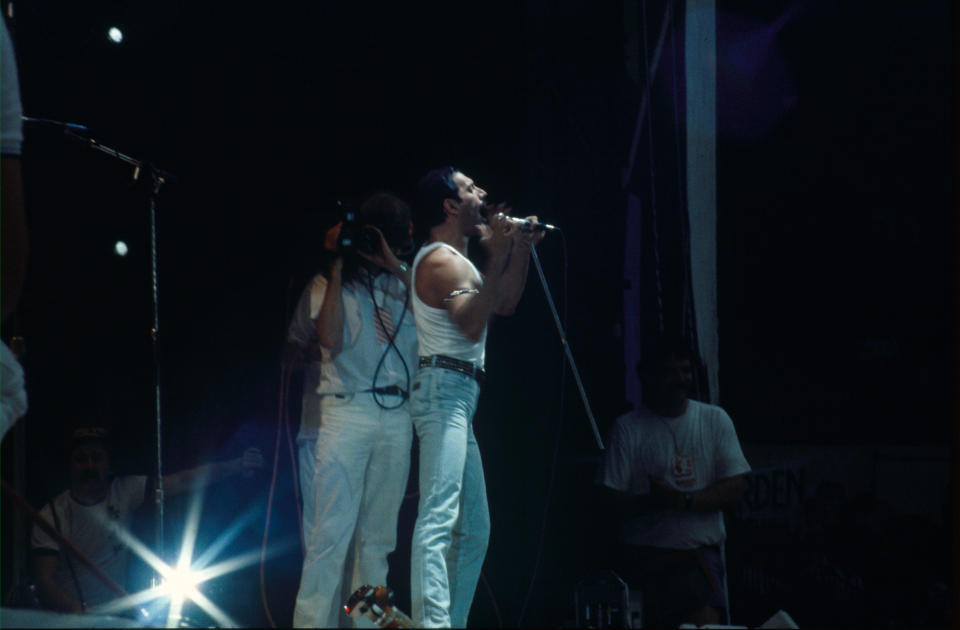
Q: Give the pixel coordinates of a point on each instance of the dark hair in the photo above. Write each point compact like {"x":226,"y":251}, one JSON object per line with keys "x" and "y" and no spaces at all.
{"x":660,"y":351}
{"x":389,"y":214}
{"x":432,"y":189}
{"x":87,"y":436}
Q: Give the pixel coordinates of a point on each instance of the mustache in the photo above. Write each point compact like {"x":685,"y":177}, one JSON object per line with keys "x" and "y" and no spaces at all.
{"x":90,"y":475}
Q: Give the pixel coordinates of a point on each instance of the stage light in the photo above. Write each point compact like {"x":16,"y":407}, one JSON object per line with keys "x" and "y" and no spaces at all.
{"x":120,"y":248}
{"x":181,"y":584}
{"x":115,"y":35}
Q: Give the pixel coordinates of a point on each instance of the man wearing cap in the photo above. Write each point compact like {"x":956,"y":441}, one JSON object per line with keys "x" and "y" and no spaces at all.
{"x":90,"y":514}
{"x":452,"y":305}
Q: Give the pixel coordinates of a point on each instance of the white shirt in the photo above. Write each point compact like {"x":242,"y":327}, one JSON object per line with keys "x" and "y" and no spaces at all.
{"x":364,"y":339}
{"x":439,"y":334}
{"x":93,"y":529}
{"x":690,"y":452}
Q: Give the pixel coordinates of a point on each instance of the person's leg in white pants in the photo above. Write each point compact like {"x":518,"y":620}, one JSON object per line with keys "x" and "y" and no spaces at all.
{"x":341,"y":457}
{"x":383,"y":489}
{"x":306,"y":468}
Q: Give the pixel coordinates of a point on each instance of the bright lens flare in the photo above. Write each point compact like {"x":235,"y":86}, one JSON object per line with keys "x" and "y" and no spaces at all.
{"x":115,"y":35}
{"x":181,"y":584}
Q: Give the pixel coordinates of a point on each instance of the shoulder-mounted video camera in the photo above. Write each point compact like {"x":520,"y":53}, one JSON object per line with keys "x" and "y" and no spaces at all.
{"x":356,"y":234}
{"x":356,"y":237}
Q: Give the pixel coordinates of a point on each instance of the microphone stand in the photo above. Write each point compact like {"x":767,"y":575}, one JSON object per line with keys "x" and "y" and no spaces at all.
{"x":158,"y":178}
{"x":566,"y":346}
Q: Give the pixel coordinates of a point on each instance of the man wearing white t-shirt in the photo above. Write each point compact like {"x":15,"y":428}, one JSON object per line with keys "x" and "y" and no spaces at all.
{"x":673,"y":466}
{"x":93,"y":511}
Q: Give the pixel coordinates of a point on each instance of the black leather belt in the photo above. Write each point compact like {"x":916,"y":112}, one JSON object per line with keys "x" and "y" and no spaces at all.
{"x":449,"y":363}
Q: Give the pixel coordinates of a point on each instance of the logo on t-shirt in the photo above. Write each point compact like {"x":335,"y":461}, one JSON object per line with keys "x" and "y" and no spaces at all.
{"x":683,"y":470}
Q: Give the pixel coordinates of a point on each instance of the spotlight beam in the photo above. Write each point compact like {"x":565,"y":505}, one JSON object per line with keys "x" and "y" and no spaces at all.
{"x":123,"y":603}
{"x":244,"y":560}
{"x":190,"y":531}
{"x":214,"y":611}
{"x":225,"y":538}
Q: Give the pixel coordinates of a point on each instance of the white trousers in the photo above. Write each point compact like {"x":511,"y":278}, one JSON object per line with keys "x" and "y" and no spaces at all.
{"x":361,"y":461}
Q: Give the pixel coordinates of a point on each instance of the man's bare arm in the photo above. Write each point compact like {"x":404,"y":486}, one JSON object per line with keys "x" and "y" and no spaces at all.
{"x":442,"y":273}
{"x":515,"y":273}
{"x":330,"y":319}
{"x":209,"y":474}
{"x":514,"y":279}
{"x":472,"y":312}
{"x":724,"y":494}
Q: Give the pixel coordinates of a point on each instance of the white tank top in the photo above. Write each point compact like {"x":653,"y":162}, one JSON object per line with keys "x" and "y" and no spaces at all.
{"x":436,"y":330}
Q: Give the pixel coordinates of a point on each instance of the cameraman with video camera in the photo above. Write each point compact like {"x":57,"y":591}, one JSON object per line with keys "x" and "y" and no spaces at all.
{"x":355,"y":434}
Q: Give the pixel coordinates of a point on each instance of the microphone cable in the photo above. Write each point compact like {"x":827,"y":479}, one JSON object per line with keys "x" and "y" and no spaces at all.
{"x":556,"y":444}
{"x":283,"y":426}
{"x":391,"y":337}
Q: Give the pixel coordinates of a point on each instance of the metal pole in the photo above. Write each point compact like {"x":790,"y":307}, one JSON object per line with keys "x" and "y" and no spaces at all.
{"x":158,"y":178}
{"x":155,"y":333}
{"x":566,"y":346}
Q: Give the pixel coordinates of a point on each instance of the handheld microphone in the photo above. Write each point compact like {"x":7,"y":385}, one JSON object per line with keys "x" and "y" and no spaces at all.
{"x":530,"y":226}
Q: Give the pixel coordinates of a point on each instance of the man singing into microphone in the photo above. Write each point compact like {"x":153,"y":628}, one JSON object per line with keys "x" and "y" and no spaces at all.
{"x":452,"y":305}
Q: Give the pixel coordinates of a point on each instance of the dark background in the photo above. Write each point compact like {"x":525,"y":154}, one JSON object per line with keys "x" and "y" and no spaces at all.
{"x":835,"y":228}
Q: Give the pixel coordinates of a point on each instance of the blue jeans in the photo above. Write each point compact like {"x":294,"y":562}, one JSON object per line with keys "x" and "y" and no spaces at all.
{"x":453,"y":523}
